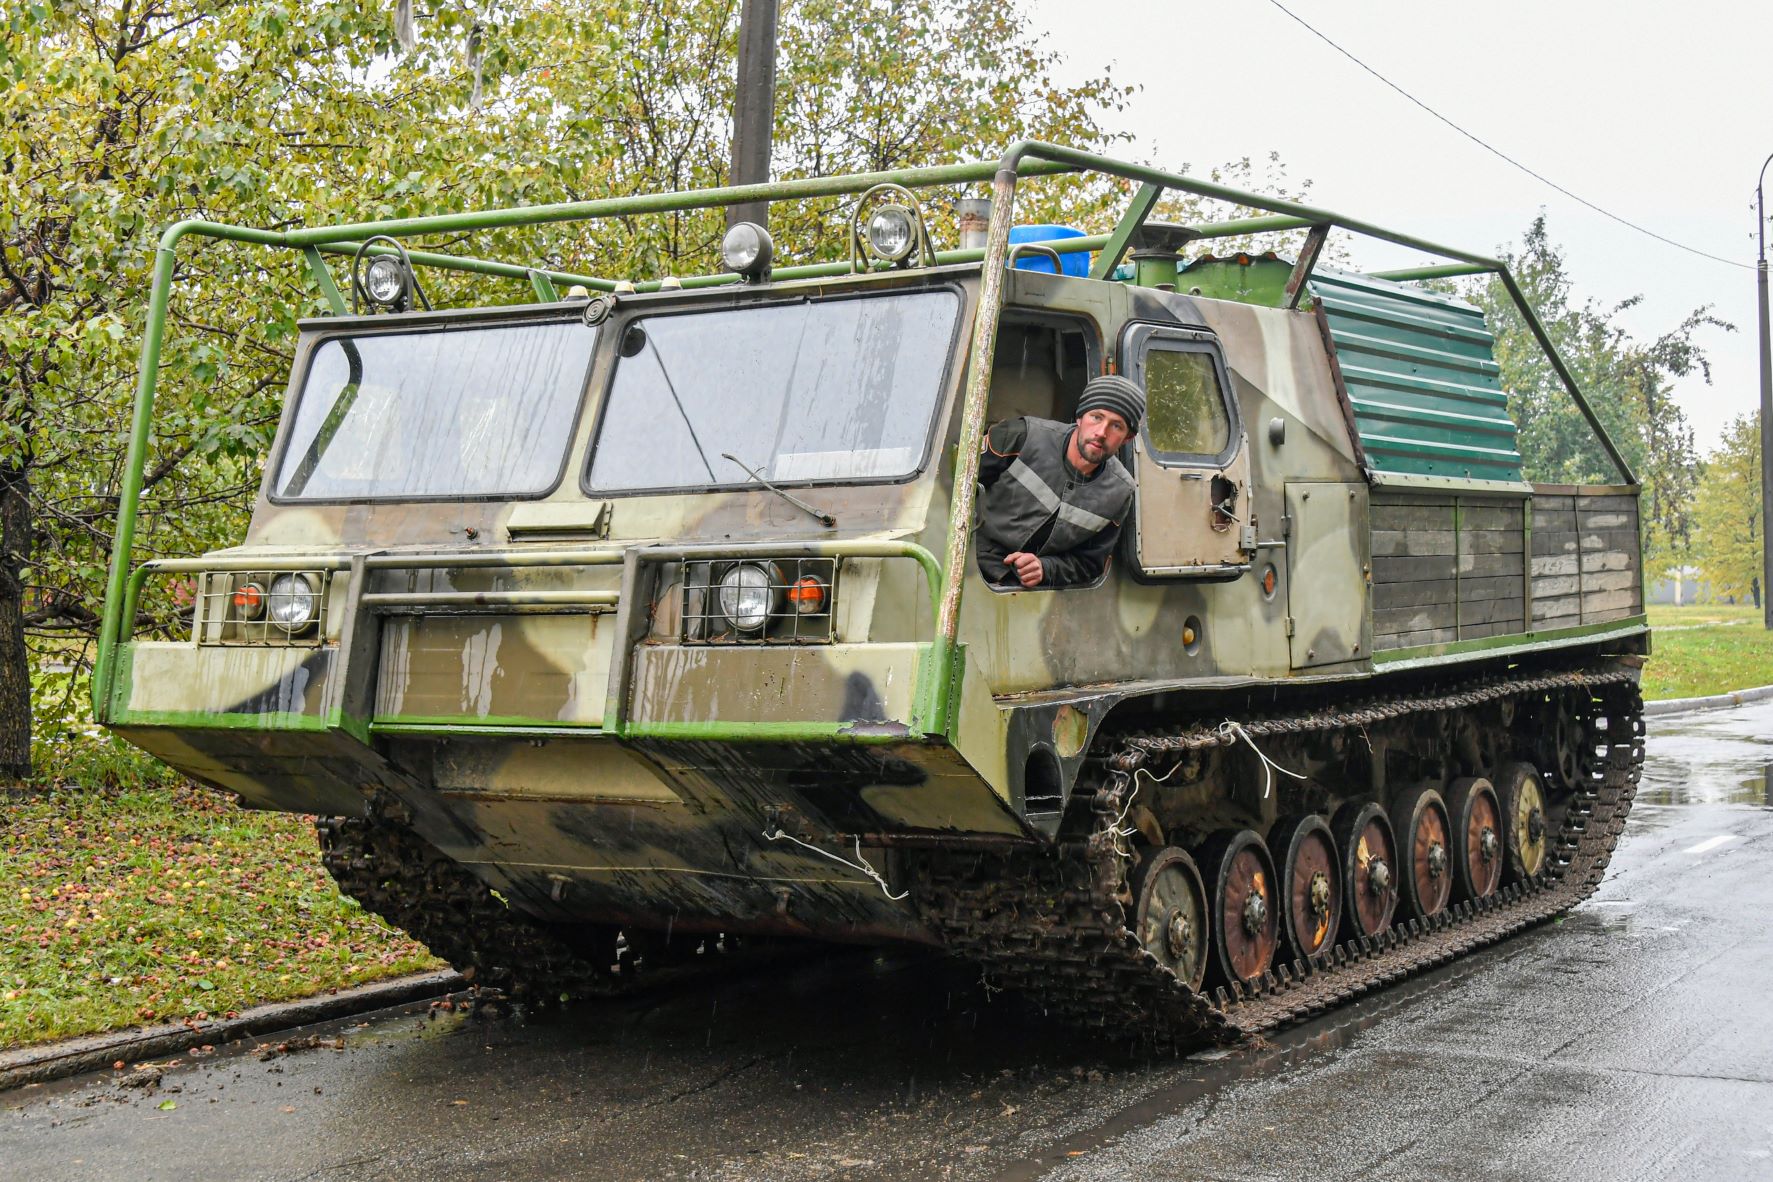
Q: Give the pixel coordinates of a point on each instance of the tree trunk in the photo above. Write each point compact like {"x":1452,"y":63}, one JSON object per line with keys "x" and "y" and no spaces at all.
{"x":15,"y":663}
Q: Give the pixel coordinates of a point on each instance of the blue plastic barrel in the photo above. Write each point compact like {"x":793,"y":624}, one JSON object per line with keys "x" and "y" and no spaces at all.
{"x":1076,"y":263}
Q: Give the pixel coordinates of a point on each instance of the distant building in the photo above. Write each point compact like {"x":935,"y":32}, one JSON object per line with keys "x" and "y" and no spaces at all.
{"x":1679,"y":586}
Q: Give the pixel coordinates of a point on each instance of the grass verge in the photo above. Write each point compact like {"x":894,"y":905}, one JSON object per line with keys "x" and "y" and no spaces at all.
{"x":1707,"y":649}
{"x":169,"y":902}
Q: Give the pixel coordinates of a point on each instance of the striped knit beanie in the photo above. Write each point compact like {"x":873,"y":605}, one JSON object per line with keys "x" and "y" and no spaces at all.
{"x":1113,"y":392}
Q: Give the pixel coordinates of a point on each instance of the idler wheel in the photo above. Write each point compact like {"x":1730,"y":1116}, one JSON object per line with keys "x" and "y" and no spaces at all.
{"x":1304,"y":854}
{"x":1424,"y":842}
{"x":1246,"y":908}
{"x":1170,"y":913}
{"x":1477,"y":837}
{"x":1525,"y":829}
{"x":1369,"y":867}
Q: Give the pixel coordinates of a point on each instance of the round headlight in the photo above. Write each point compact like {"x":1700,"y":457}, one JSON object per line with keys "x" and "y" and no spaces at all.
{"x":892,"y":232}
{"x":291,"y":603}
{"x":747,"y":250}
{"x":384,"y":281}
{"x":746,"y":597}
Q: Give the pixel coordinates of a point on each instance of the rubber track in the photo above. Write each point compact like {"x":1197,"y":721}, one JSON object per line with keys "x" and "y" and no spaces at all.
{"x":1055,"y":927}
{"x":399,"y":876}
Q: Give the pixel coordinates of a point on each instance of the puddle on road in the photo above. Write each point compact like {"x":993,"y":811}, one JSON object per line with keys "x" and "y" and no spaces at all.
{"x":1712,"y":757}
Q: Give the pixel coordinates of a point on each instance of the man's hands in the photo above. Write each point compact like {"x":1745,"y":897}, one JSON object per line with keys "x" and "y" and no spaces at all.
{"x":1027,"y":568}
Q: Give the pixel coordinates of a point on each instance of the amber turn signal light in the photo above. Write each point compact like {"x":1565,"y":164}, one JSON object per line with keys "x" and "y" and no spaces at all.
{"x":249,"y":601}
{"x":807,"y":595}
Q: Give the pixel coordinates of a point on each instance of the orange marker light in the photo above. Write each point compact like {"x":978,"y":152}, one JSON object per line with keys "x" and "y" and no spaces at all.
{"x":1268,"y":581}
{"x":249,"y":601}
{"x":807,"y":595}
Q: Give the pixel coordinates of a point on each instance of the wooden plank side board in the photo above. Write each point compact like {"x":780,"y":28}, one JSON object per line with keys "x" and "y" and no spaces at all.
{"x":1392,"y":621}
{"x":1557,"y":611}
{"x":1491,"y":541}
{"x":1552,"y":586}
{"x":1454,"y":565}
{"x":1609,"y":580}
{"x":1490,"y":517}
{"x":1556,"y":541}
{"x":1407,"y":543}
{"x":1610,"y":570}
{"x":1486,"y":587}
{"x":1471,"y":565}
{"x":1411,"y":517}
{"x":1608,"y":560}
{"x":1598,"y":606}
{"x":1422,"y":593}
{"x":1415,"y":639}
{"x":1467,"y":566}
{"x":1608,"y":503}
{"x":1506,"y":627}
{"x":1551,"y":565}
{"x":1585,"y":562}
{"x":1489,"y":611}
{"x":1415,"y":568}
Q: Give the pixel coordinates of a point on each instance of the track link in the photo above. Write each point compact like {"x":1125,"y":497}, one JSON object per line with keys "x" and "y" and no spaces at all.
{"x":399,"y":876}
{"x":1053,"y":925}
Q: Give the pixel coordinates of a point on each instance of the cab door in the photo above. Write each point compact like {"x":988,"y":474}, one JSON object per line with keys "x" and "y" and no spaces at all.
{"x":1192,"y":516}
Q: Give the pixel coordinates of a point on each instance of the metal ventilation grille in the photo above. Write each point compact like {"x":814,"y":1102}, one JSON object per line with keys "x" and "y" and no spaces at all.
{"x":235,"y":609}
{"x":774,"y":601}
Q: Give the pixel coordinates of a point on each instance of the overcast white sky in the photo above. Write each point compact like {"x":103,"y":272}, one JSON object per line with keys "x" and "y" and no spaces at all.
{"x":1659,"y":112}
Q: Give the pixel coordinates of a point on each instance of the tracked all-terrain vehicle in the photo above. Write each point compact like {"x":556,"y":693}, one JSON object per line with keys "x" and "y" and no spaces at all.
{"x":602,"y":625}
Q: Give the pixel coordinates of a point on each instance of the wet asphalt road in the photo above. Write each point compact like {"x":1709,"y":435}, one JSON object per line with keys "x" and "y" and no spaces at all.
{"x":1629,"y":1040}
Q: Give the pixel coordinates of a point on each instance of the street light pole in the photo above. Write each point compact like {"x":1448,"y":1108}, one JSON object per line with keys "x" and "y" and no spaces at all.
{"x":1766,"y":401}
{"x":754,"y":106}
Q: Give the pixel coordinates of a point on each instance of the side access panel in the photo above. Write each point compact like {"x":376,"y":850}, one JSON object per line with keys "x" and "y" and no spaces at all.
{"x":1327,"y":574}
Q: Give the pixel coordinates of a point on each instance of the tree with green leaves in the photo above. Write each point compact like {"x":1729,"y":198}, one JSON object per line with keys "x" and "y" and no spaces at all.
{"x":1730,"y":531}
{"x":119,"y":118}
{"x":1628,"y":382}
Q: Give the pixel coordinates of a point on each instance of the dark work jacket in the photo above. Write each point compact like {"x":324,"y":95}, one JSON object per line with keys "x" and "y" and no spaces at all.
{"x":1029,"y":486}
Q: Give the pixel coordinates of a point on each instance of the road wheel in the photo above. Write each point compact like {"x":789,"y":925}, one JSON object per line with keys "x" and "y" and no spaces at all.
{"x":1477,"y":837}
{"x":1425,"y":856}
{"x":1310,"y":892}
{"x":1563,"y":747}
{"x":1170,"y":913}
{"x":1245,"y":910}
{"x":1369,"y":868}
{"x":1521,"y":793}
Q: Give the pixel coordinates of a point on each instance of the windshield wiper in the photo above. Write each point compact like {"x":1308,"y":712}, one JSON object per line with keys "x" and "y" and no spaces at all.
{"x":825,"y":519}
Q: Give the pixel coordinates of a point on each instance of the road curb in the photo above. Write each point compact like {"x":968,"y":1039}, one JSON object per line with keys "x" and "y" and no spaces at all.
{"x":92,"y":1052}
{"x":1714,"y":702}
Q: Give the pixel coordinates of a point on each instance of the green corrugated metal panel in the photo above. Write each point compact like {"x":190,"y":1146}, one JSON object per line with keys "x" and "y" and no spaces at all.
{"x":1421,"y":375}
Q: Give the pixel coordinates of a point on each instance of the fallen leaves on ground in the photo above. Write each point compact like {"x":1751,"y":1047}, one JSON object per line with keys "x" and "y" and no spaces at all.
{"x":170,"y":905}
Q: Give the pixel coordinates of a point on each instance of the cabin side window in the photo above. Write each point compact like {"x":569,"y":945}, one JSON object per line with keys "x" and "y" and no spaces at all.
{"x":1187,"y":420}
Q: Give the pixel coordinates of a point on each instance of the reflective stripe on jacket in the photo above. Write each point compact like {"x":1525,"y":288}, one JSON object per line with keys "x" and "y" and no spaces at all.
{"x":1028,"y":482}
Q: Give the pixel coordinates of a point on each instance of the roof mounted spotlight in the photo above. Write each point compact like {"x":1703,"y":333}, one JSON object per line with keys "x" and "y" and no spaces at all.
{"x":387,"y":283}
{"x":747,"y":252}
{"x":893,"y":233}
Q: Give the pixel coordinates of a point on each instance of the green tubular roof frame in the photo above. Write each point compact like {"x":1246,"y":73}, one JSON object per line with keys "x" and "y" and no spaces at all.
{"x":1023,"y":159}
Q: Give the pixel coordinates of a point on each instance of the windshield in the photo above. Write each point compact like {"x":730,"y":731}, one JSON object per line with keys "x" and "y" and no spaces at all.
{"x":830,"y":390}
{"x":465,"y":412}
